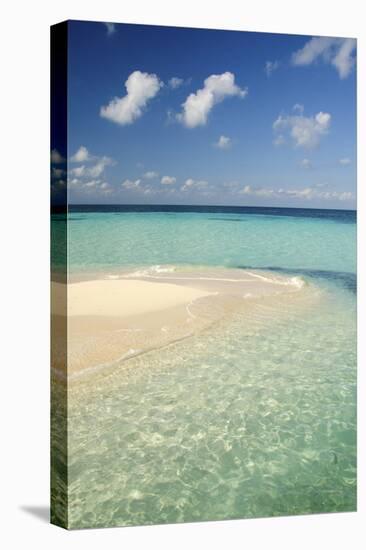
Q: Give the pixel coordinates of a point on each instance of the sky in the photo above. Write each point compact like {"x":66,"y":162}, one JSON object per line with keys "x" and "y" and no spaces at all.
{"x":166,"y":115}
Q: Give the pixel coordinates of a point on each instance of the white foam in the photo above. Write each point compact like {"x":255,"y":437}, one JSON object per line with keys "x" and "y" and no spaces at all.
{"x":149,"y":271}
{"x":293,"y":281}
{"x":297,"y":281}
{"x":155,"y":272}
{"x":162,"y":269}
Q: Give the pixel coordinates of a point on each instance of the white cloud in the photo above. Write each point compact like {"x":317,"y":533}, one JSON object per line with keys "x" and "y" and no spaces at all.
{"x":111,"y":28}
{"x":336,"y":51}
{"x":88,"y":178}
{"x":313,"y":193}
{"x":306,"y":163}
{"x":258,"y":191}
{"x":91,"y":183}
{"x":150,"y":175}
{"x":197,"y":106}
{"x":56,"y":157}
{"x":130,"y":184}
{"x":73,"y":181}
{"x":305,"y":131}
{"x":345,"y":161}
{"x":81,"y":155}
{"x":168,"y":180}
{"x":279,"y":140}
{"x":106,"y":188}
{"x":306,"y":193}
{"x":98,"y":169}
{"x":223,"y":142}
{"x":344,"y":60}
{"x":317,"y":46}
{"x":175,"y":82}
{"x":79,"y":171}
{"x":141,"y":87}
{"x":190,"y":184}
{"x":91,"y":187}
{"x":105,"y":185}
{"x":270,"y":67}
{"x":94,"y":171}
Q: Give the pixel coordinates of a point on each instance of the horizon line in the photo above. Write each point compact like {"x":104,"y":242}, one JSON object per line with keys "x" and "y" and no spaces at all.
{"x":205,"y":206}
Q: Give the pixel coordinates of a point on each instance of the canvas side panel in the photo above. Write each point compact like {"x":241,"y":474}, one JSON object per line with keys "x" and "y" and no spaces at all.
{"x":59,"y":478}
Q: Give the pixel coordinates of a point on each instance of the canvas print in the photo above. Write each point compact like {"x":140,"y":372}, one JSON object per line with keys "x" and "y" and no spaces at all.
{"x":203,"y":228}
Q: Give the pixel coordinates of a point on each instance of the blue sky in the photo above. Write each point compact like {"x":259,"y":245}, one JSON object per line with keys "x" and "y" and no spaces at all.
{"x":163,"y":115}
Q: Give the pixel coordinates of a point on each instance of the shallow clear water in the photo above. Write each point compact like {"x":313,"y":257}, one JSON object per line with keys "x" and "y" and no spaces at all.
{"x":253,"y":417}
{"x":108,"y":240}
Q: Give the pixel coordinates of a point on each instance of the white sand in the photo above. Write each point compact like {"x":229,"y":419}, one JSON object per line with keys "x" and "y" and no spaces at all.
{"x":112,"y":319}
{"x":123,"y":298}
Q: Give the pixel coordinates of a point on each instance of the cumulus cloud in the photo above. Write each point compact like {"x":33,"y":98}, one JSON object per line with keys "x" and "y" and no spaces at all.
{"x":305,"y":131}
{"x":141,"y":88}
{"x":89,"y":178}
{"x":198,"y":106}
{"x":81,"y":155}
{"x":56,"y":157}
{"x":270,"y":67}
{"x":150,"y":175}
{"x":79,"y":171}
{"x":91,"y":183}
{"x":258,"y":191}
{"x":131,"y":184}
{"x":175,"y":82}
{"x":338,"y":52}
{"x":223,"y":142}
{"x":98,"y":169}
{"x":94,"y":171}
{"x":168,"y":180}
{"x":105,"y":186}
{"x":95,"y":187}
{"x":345,"y":161}
{"x":314,"y":193}
{"x":306,"y":193}
{"x":190,"y":184}
{"x":111,"y":28}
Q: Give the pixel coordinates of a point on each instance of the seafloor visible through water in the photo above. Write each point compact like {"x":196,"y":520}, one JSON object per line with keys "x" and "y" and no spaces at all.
{"x":254,"y":416}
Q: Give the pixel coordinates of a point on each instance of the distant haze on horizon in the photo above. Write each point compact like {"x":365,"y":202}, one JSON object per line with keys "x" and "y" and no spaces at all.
{"x":175,"y":116}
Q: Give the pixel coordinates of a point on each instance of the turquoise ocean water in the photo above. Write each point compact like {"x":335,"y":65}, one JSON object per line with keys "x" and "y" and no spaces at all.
{"x":241,"y":420}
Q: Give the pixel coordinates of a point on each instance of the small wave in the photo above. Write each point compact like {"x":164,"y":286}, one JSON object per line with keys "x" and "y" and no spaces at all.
{"x":150,"y":271}
{"x":162,"y":269}
{"x":155,"y":272}
{"x":345,"y":279}
{"x":298,"y":282}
